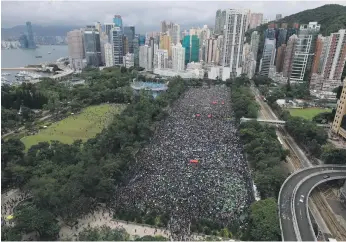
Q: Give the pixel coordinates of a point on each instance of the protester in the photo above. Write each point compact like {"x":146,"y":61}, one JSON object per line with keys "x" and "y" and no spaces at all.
{"x":193,"y":166}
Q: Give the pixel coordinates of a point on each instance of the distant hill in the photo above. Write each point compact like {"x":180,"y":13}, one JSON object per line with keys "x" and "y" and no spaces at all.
{"x":38,"y":30}
{"x":331,"y":17}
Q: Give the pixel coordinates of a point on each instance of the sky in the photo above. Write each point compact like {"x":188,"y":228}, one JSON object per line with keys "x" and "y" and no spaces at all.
{"x":145,"y":15}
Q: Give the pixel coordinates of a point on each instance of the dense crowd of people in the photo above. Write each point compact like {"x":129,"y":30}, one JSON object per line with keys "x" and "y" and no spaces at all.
{"x":193,"y":166}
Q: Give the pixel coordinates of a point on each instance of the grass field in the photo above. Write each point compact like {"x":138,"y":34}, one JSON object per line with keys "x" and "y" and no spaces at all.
{"x":82,"y":126}
{"x":307,"y":113}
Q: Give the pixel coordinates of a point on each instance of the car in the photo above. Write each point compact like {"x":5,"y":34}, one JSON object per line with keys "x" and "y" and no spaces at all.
{"x":301,"y":198}
{"x":326,"y":177}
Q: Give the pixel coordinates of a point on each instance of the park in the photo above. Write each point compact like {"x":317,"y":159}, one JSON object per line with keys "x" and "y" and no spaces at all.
{"x":89,"y":122}
{"x":307,"y":113}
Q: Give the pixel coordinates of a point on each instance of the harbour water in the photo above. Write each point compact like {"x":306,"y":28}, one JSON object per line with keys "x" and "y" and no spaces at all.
{"x":24,"y":57}
{"x":11,"y":58}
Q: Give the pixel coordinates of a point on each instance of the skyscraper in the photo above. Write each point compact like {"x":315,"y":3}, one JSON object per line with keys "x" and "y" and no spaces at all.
{"x":117,"y":43}
{"x":279,"y":62}
{"x":176,"y":34}
{"x":178,"y":57}
{"x":145,"y":57}
{"x":107,"y":27}
{"x":109,"y":56}
{"x":287,"y":66}
{"x":76,"y":49}
{"x":339,"y":123}
{"x":31,"y":42}
{"x":125,"y":45}
{"x":254,"y":44}
{"x":129,"y":32}
{"x":234,"y":39}
{"x":278,"y":16}
{"x":211,"y":51}
{"x":92,"y":46}
{"x":23,"y":40}
{"x":303,"y":52}
{"x":136,"y":51}
{"x":256,"y":20}
{"x":117,"y":20}
{"x":219,"y":21}
{"x":165,"y":44}
{"x":191,"y":45}
{"x":281,"y":37}
{"x":162,"y":59}
{"x":268,"y":56}
{"x":163,"y":26}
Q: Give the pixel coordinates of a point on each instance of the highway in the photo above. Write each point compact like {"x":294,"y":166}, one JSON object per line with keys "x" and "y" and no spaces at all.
{"x":286,"y":197}
{"x":304,"y":188}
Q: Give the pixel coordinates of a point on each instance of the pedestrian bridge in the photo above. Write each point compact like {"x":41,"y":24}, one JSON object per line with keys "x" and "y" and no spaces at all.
{"x":276,"y":122}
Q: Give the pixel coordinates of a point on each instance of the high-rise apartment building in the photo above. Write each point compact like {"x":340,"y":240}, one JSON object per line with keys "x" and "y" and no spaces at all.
{"x":191,"y":45}
{"x":128,"y":60}
{"x":107,"y":27}
{"x":278,"y":16}
{"x":339,"y":123}
{"x":178,"y":57}
{"x":289,"y":54}
{"x":125,"y":45}
{"x":92,"y":46}
{"x":103,"y":41}
{"x":98,"y":27}
{"x":255,"y":20}
{"x":303,"y":52}
{"x":136,"y":51}
{"x":118,"y":22}
{"x":211,"y":51}
{"x":219,"y":21}
{"x":270,"y":32}
{"x":163,"y":26}
{"x":233,"y":39}
{"x":329,"y":61}
{"x":145,"y":57}
{"x":280,"y":55}
{"x":165,"y":44}
{"x":117,"y":42}
{"x":162,"y":59}
{"x":281,"y":37}
{"x":31,"y":42}
{"x":76,"y":49}
{"x":129,"y":32}
{"x":265,"y":20}
{"x":176,"y":34}
{"x":254,"y":44}
{"x":109,"y":57}
{"x":268,"y":56}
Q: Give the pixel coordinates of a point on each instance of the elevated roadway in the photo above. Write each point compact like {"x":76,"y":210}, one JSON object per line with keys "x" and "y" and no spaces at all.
{"x":295,"y":223}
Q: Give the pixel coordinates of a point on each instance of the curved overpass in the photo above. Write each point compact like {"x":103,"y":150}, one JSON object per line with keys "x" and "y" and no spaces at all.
{"x":294,"y":217}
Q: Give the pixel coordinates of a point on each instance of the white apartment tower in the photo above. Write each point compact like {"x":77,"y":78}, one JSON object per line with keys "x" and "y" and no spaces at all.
{"x":128,"y":60}
{"x":109,"y":57}
{"x":162,"y":59}
{"x":178,"y":57}
{"x":145,"y":57}
{"x":234,"y":31}
{"x":211,"y":51}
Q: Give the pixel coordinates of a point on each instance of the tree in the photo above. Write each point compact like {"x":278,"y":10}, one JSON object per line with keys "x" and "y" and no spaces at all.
{"x":103,"y":233}
{"x":152,"y":238}
{"x":9,"y":233}
{"x":332,"y":155}
{"x":264,"y":221}
{"x":30,"y":218}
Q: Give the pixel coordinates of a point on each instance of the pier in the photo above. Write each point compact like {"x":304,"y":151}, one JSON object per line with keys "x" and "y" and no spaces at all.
{"x":19,"y":69}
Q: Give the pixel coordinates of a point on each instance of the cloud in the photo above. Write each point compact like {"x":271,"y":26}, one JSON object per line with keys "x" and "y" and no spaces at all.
{"x":146,"y":16}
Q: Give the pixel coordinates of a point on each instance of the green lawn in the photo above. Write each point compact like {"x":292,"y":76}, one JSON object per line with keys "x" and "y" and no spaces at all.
{"x":307,"y":113}
{"x":82,"y":126}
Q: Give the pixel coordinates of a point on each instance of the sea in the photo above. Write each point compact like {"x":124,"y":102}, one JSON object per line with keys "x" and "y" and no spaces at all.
{"x":11,"y":58}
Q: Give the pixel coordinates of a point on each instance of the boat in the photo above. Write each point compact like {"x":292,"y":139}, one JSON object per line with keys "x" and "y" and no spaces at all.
{"x":38,"y":56}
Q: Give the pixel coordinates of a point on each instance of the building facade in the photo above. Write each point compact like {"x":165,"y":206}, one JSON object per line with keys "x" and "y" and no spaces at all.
{"x":219,"y":21}
{"x":118,"y":22}
{"x":129,"y":32}
{"x":128,"y":60}
{"x":145,"y":57}
{"x":211,"y":53}
{"x":109,"y":57}
{"x":117,"y":42}
{"x":268,"y":56}
{"x":31,"y":41}
{"x":76,"y":49}
{"x":191,"y":45}
{"x":136,"y":50}
{"x":235,"y":27}
{"x":278,"y":16}
{"x":92,"y":47}
{"x":289,"y":53}
{"x":255,"y":20}
{"x":162,"y":59}
{"x":178,"y":57}
{"x":165,"y":44}
{"x":254,"y":44}
{"x":339,"y":123}
{"x":280,"y":56}
{"x":176,"y":34}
